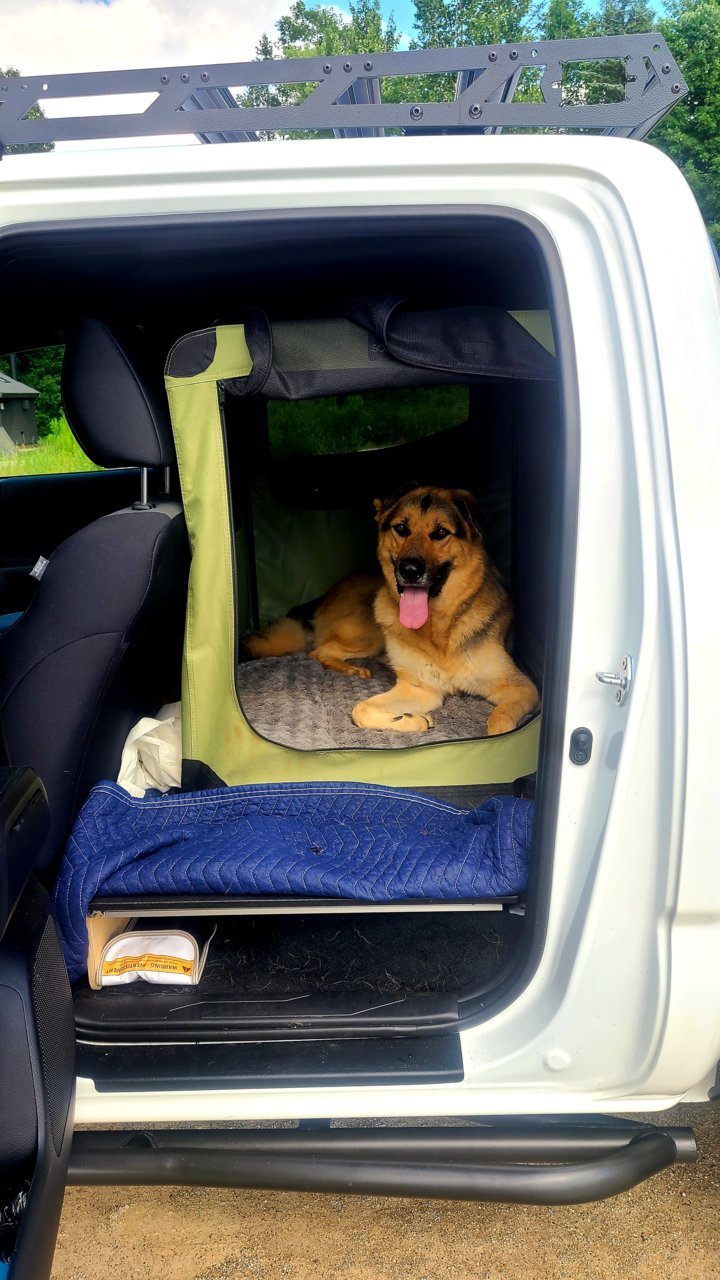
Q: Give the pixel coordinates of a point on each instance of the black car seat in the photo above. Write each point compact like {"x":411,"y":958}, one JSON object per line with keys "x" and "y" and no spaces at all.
{"x":100,"y":644}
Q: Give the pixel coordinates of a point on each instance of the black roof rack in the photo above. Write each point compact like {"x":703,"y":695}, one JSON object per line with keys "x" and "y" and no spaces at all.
{"x":347,"y":97}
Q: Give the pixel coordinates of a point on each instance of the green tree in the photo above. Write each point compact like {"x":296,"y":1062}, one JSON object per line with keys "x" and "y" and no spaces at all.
{"x":690,"y":134}
{"x":564,"y":20}
{"x":623,"y":17}
{"x":35,"y":113}
{"x":316,"y":31}
{"x":450,"y":23}
{"x":40,"y":369}
{"x":308,"y":31}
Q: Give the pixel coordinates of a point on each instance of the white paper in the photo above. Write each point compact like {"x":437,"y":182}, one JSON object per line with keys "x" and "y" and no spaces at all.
{"x":152,"y":754}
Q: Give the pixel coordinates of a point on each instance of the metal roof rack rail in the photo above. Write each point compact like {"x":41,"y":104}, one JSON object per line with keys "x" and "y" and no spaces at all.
{"x":346,"y":97}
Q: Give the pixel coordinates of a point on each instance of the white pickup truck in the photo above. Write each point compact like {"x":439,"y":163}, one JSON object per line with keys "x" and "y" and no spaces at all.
{"x":528,"y":1019}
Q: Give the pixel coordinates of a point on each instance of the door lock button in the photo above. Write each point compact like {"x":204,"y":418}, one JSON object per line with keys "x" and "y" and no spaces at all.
{"x":581,"y":743}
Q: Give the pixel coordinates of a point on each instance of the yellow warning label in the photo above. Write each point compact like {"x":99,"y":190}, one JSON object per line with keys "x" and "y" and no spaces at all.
{"x":150,"y":963}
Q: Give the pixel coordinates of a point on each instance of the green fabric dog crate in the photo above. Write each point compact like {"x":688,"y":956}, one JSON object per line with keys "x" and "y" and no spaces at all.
{"x":215,"y":378}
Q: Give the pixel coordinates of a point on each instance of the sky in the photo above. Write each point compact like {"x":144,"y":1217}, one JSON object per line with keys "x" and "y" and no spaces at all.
{"x":42,"y":37}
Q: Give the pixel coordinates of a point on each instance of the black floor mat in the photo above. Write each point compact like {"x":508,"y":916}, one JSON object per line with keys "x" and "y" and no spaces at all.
{"x":383,"y":953}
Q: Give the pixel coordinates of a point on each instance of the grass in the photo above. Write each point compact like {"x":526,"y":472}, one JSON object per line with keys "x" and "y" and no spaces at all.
{"x":338,"y":424}
{"x":56,"y":452}
{"x":347,"y":424}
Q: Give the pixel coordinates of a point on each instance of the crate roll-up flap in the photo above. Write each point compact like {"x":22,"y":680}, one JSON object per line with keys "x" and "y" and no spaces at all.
{"x":381,"y":344}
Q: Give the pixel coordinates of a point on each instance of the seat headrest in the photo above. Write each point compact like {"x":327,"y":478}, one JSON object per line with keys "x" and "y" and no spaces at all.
{"x":114,"y":397}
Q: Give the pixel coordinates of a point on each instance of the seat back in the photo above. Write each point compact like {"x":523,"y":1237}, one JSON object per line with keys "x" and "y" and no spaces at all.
{"x":100,"y":644}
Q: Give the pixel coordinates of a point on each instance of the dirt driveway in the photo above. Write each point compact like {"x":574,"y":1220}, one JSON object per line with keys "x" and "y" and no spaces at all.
{"x":668,"y":1228}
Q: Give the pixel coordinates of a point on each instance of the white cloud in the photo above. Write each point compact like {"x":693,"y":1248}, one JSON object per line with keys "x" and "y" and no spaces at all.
{"x":44,"y":37}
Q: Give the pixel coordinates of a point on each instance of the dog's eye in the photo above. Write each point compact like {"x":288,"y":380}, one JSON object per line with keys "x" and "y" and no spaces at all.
{"x":439,"y":532}
{"x":401,"y":528}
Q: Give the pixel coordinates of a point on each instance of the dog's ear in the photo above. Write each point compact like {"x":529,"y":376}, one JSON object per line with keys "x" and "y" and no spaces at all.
{"x":383,"y":505}
{"x":469,"y":510}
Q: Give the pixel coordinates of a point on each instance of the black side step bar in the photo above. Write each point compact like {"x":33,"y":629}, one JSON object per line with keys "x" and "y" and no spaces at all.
{"x":549,"y":1161}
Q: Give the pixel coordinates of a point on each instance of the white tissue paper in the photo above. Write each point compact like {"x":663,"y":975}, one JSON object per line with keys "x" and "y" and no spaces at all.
{"x":152,"y":754}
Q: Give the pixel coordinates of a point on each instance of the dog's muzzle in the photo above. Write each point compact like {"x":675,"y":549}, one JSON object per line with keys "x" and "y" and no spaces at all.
{"x":411,"y":571}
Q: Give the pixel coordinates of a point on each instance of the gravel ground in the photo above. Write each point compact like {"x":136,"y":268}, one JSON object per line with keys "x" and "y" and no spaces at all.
{"x":667,"y":1228}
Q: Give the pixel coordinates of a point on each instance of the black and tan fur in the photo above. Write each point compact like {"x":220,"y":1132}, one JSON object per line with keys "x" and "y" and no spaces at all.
{"x":461,"y":648}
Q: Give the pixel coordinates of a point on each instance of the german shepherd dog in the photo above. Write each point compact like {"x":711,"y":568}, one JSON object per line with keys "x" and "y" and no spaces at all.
{"x":439,"y":615}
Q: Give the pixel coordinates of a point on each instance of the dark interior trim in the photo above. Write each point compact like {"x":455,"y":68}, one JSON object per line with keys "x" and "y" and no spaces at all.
{"x":279,"y":1064}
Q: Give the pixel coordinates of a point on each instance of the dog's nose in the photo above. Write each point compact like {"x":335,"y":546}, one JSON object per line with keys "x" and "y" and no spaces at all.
{"x":411,"y":569}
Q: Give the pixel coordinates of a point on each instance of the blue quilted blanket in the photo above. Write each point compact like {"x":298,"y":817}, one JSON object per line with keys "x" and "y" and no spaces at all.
{"x":317,"y":839}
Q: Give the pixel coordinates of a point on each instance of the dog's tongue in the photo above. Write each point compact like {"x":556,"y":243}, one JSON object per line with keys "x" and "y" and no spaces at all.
{"x":414,"y":608}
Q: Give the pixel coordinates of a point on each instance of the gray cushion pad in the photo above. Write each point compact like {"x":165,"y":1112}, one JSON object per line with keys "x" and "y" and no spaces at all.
{"x":297,"y":703}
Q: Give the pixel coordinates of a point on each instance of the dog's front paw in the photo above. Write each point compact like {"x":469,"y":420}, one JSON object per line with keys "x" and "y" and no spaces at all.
{"x":500,"y":722}
{"x":357,"y":715}
{"x":409,"y":722}
{"x":368,"y":715}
